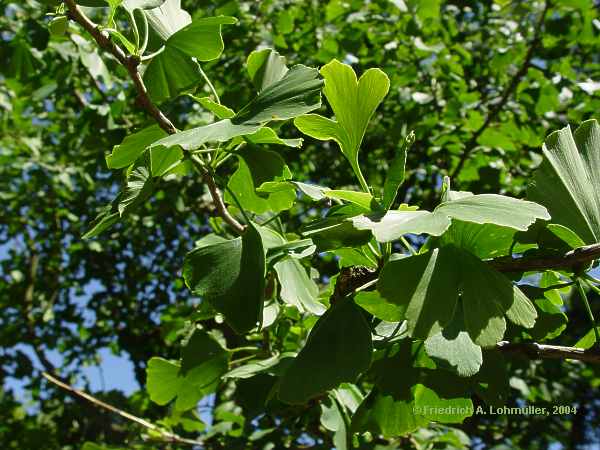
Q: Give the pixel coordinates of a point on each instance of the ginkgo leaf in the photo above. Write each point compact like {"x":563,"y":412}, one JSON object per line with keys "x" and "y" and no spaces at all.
{"x":496,"y":209}
{"x":338,"y":349}
{"x":482,"y":240}
{"x":387,"y":416}
{"x":201,"y":39}
{"x":266,"y":135}
{"x":257,"y":166}
{"x":428,"y":286}
{"x":375,"y":304}
{"x":141,"y":4}
{"x":204,"y":363}
{"x":353,"y":102}
{"x":221,"y":131}
{"x":394,"y":224}
{"x":296,"y":93}
{"x":454,"y":346}
{"x":169,"y":74}
{"x":567,"y":180}
{"x":221,"y":111}
{"x":168,"y":19}
{"x":231,"y":276}
{"x":361,"y":199}
{"x":176,"y":39}
{"x":265,"y":67}
{"x":133,"y":146}
{"x":138,"y":187}
{"x":297,"y":288}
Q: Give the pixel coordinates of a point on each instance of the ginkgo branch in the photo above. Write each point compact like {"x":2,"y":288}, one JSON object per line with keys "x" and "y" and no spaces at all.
{"x":573,"y":259}
{"x":131,"y":63}
{"x":534,"y":350}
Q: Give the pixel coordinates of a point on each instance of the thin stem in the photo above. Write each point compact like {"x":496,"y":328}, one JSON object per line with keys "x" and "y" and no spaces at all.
{"x":241,"y":360}
{"x":558,"y":286}
{"x":588,"y":309}
{"x":367,"y":285}
{"x":152,"y":55}
{"x":393,"y":335}
{"x":145,"y":31}
{"x":203,"y":150}
{"x":238,"y":204}
{"x":374,"y":250}
{"x":245,"y":349}
{"x":595,"y":288}
{"x":216,"y":194}
{"x":361,"y":178}
{"x":271,"y":219}
{"x":222,"y":158}
{"x":407,"y":245}
{"x":591,"y":278}
{"x":210,"y":85}
{"x":387,"y":251}
{"x":136,"y":33}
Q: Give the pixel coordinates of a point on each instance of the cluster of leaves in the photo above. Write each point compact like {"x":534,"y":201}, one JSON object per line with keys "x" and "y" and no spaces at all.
{"x":376,"y":360}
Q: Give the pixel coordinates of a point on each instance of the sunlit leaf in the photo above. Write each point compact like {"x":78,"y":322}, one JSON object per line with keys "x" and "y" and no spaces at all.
{"x":567,"y":181}
{"x":353,"y":102}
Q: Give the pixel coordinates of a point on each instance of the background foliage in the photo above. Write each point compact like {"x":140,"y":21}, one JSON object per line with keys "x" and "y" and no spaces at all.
{"x":480,"y":83}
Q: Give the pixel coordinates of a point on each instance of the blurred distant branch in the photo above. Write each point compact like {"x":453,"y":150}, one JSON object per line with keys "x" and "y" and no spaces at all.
{"x":28,"y":298}
{"x":165,"y":436}
{"x":493,"y":112}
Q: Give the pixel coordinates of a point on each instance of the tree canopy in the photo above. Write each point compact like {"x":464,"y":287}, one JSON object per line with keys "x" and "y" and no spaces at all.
{"x":341,"y":224}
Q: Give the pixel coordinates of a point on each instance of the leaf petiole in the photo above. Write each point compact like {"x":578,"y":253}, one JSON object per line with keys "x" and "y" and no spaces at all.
{"x":588,"y":309}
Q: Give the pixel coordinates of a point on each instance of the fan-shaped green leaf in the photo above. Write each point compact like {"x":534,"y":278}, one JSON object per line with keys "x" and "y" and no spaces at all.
{"x":142,"y":4}
{"x":231,"y":276}
{"x":202,"y":38}
{"x":428,"y":286}
{"x":265,"y":67}
{"x":204,"y":363}
{"x":297,"y":288}
{"x":454,"y":347}
{"x":133,"y":146}
{"x":296,"y":93}
{"x":256,"y":167}
{"x":179,"y":39}
{"x":567,"y":180}
{"x":353,"y":102}
{"x":394,"y":224}
{"x":375,"y":304}
{"x":338,"y":349}
{"x":496,"y":209}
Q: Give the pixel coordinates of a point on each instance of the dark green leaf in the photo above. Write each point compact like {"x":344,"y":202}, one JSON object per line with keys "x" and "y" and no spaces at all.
{"x":396,"y":172}
{"x":231,"y":276}
{"x":338,"y":349}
